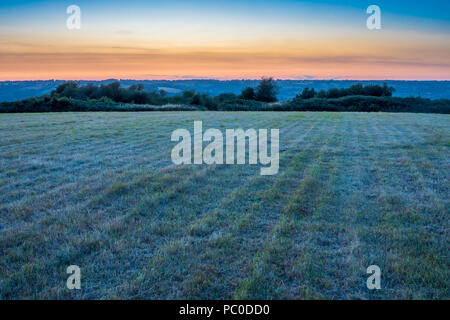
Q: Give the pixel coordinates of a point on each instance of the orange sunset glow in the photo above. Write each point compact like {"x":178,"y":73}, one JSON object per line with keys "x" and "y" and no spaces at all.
{"x":221,"y":45}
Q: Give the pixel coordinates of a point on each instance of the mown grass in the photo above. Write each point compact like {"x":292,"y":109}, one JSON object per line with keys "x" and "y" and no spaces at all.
{"x":99,"y":190}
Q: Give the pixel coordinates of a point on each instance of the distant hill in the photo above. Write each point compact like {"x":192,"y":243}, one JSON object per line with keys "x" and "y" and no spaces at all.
{"x":16,"y":90}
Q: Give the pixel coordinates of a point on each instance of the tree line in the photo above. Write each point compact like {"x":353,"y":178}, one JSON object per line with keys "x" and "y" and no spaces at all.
{"x":70,"y":96}
{"x":370,"y":90}
{"x":266,"y":91}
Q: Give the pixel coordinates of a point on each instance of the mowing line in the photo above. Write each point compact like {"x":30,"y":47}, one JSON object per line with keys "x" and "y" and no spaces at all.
{"x":269,"y":272}
{"x":197,"y":241}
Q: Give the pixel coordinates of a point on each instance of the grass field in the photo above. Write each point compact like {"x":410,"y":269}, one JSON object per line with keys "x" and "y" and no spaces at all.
{"x":99,"y":190}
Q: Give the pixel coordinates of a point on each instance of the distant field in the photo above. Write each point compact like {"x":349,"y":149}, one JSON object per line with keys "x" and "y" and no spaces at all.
{"x":99,"y":190}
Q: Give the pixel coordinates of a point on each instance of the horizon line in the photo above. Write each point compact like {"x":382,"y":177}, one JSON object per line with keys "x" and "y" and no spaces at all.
{"x":224,"y":80}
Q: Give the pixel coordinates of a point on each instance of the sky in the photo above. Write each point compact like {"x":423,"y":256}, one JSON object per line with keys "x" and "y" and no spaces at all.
{"x":245,"y":39}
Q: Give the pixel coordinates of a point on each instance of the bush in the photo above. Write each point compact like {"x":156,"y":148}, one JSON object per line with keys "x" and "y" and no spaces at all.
{"x":248,"y":94}
{"x":308,"y":94}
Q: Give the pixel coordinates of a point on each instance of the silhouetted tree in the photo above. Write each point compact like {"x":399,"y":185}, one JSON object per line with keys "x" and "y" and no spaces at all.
{"x":67,"y":89}
{"x":226,"y":97}
{"x":308,"y":94}
{"x":196,"y":99}
{"x":356,"y":90}
{"x":387,"y":91}
{"x":267,"y":90}
{"x":333,"y":93}
{"x":248,"y":94}
{"x":321,"y":94}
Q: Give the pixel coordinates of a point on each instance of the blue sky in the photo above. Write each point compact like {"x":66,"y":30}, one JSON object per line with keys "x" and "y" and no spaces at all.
{"x":434,"y":9}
